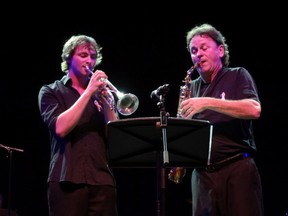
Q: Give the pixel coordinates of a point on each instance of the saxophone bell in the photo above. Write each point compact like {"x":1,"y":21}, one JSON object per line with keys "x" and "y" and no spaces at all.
{"x":177,"y":174}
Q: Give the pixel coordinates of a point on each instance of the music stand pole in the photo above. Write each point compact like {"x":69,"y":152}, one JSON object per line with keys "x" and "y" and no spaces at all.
{"x":10,"y":151}
{"x":161,"y":186}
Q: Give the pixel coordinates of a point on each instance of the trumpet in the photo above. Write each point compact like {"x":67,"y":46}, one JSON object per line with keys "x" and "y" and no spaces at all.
{"x":127,"y":103}
{"x":176,"y":174}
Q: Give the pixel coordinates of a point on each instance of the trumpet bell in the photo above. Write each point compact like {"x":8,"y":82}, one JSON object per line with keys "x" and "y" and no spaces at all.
{"x":127,"y":104}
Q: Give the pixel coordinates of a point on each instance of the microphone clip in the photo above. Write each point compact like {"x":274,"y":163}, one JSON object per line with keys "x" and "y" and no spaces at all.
{"x":160,"y":92}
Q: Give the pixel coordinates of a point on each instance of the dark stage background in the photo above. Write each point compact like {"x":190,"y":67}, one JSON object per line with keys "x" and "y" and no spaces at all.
{"x":143,"y":48}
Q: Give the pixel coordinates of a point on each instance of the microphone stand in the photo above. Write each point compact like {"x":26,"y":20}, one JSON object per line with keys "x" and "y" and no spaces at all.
{"x":10,"y":151}
{"x":165,"y":156}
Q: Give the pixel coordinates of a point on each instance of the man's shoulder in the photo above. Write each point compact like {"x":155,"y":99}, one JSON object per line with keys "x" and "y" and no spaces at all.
{"x":233,"y":69}
{"x":57,"y":83}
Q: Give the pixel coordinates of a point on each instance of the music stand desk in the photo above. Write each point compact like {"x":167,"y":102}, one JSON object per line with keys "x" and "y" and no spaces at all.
{"x":136,"y":142}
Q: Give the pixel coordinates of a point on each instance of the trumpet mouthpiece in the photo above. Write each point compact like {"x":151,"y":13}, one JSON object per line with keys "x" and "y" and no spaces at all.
{"x":88,"y":69}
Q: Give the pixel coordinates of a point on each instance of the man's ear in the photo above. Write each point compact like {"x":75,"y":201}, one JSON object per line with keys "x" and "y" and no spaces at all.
{"x":221,"y":50}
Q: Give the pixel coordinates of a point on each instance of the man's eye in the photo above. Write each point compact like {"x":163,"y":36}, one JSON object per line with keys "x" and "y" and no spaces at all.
{"x":83,"y":55}
{"x":193,"y":51}
{"x":204,"y":48}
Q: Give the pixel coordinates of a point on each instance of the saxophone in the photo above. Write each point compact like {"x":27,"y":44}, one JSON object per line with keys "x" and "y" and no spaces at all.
{"x":176,"y":174}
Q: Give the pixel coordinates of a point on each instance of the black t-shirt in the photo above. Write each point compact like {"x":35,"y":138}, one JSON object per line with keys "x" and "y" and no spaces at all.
{"x":230,"y":135}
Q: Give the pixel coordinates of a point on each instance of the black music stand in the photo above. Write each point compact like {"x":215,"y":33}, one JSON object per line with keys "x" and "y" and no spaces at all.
{"x":10,"y":151}
{"x":136,"y":142}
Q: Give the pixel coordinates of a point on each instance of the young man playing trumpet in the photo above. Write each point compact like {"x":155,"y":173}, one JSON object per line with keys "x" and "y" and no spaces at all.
{"x":80,"y":183}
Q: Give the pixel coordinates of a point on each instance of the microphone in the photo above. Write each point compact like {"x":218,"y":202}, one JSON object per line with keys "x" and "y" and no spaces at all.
{"x":161,"y":90}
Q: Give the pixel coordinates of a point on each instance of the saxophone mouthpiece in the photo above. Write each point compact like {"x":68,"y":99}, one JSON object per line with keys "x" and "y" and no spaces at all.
{"x":190,"y":71}
{"x":196,"y":65}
